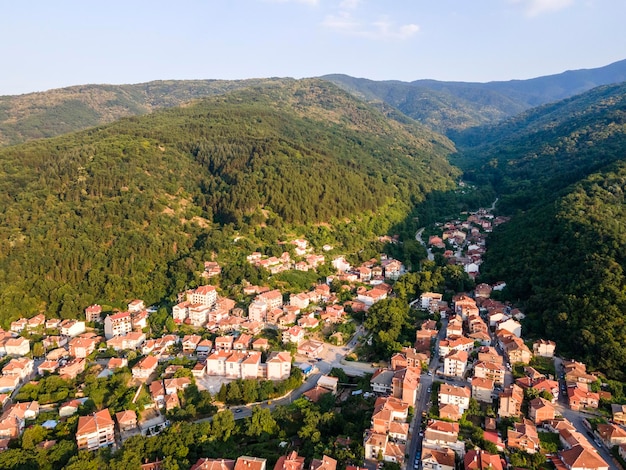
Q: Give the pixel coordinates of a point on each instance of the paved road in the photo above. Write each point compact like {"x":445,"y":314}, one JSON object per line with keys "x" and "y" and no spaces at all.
{"x":418,"y":237}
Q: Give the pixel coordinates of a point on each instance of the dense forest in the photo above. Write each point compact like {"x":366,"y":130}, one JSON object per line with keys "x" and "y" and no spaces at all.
{"x":559,"y":170}
{"x":131,"y":209}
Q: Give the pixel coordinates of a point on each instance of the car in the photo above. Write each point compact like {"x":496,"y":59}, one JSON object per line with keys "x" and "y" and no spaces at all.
{"x":238,"y":410}
{"x":430,"y":372}
{"x":429,"y":390}
{"x":421,"y":433}
{"x":319,"y":359}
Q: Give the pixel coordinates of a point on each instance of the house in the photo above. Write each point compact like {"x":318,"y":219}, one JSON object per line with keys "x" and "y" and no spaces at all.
{"x":82,"y":347}
{"x":272,"y":298}
{"x":510,"y":325}
{"x":544,"y":348}
{"x":203,"y":348}
{"x":71,"y":327}
{"x":490,"y":370}
{"x":278,"y":365}
{"x":481,"y":460}
{"x":95,"y":431}
{"x":52,"y":323}
{"x":515,"y":350}
{"x":145,"y":367}
{"x":581,"y":458}
{"x":224,"y":343}
{"x":450,"y":412}
{"x":205,"y":295}
{"x":325,"y":463}
{"x":579,"y":397}
{"x":308,"y":322}
{"x":511,"y":401}
{"x":21,"y":367}
{"x":242,"y":343}
{"x":381,"y":381}
{"x":36,"y":322}
{"x":190,"y":343}
{"x":433,"y":459}
{"x":372,"y":296}
{"x":18,"y":326}
{"x":139,"y":320}
{"x":47,"y":366}
{"x":71,"y":407}
{"x":454,"y":363}
{"x":250,"y":463}
{"x":311,"y":348}
{"x":457,"y":343}
{"x":611,"y":434}
{"x":295,"y":335}
{"x":213,"y":464}
{"x":524,"y":437}
{"x":455,"y":395}
{"x":577,"y":372}
{"x":482,"y":389}
{"x":8,"y":383}
{"x":540,"y":410}
{"x":17,"y":346}
{"x":74,"y":367}
{"x":117,"y":324}
{"x":117,"y":362}
{"x":292,"y":461}
{"x":440,"y":435}
{"x":619,"y":413}
{"x":430,"y":300}
{"x":93,"y":313}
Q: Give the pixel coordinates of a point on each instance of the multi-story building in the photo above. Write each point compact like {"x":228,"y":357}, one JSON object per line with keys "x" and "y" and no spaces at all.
{"x":117,"y":324}
{"x":95,"y":431}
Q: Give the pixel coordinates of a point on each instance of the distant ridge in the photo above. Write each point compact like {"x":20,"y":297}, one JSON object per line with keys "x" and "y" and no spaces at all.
{"x":446,"y":107}
{"x":449,"y":107}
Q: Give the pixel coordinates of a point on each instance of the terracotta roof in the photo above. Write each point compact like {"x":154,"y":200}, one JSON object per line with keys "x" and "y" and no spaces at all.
{"x":579,"y":457}
{"x":98,"y":420}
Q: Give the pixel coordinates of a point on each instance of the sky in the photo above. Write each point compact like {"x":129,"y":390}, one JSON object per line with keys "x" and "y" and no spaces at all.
{"x":48,"y":44}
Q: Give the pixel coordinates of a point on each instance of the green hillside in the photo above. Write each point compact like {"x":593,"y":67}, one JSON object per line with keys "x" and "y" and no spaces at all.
{"x":131,"y":209}
{"x":529,"y":158}
{"x":560,"y":171}
{"x":55,"y":112}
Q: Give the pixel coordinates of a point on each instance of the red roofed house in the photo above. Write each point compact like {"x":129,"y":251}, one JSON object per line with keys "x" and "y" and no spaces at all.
{"x":290,"y":462}
{"x":540,"y":410}
{"x":326,"y":463}
{"x":145,"y":367}
{"x":481,"y":460}
{"x":95,"y":431}
{"x":93,"y":313}
{"x":580,"y":458}
{"x":250,"y":463}
{"x":213,"y":464}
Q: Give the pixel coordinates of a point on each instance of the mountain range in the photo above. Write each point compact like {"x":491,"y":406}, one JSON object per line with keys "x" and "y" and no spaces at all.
{"x":446,"y":107}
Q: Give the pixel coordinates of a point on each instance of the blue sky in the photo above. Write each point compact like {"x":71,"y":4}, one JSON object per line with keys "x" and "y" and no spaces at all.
{"x":51,"y":44}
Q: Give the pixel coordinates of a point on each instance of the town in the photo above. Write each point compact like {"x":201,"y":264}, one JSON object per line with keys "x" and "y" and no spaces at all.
{"x":471,"y":392}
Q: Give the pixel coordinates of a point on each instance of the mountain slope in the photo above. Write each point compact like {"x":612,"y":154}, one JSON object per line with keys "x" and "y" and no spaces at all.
{"x":560,"y":170}
{"x":530,"y":157}
{"x":56,"y":112}
{"x":130,"y":209}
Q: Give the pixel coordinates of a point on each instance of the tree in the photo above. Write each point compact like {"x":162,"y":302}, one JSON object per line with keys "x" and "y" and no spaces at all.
{"x":261,"y":423}
{"x":33,"y":436}
{"x":223,"y":425}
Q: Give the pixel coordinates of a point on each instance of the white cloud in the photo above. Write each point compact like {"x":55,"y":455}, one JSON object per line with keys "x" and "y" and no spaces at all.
{"x":344,"y":23}
{"x":539,"y":7}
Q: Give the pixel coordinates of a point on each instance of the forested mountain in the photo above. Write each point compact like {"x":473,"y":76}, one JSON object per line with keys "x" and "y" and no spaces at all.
{"x":449,"y":107}
{"x":446,"y":107}
{"x":530,"y":157}
{"x":56,"y":112}
{"x":560,"y":170}
{"x":131,"y":209}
